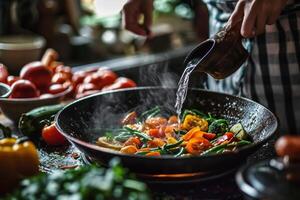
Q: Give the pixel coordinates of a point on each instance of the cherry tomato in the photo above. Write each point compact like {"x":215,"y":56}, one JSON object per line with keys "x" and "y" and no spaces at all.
{"x":52,"y":136}
{"x":78,"y":77}
{"x":65,"y":70}
{"x":11,"y":79}
{"x":56,"y":88}
{"x":121,"y":82}
{"x":3,"y":73}
{"x":95,"y":79}
{"x":108,"y":76}
{"x":23,"y":89}
{"x":59,"y":78}
{"x":38,"y":74}
{"x":81,"y":88}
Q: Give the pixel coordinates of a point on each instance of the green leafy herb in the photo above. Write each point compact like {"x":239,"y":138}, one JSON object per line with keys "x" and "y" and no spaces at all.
{"x":88,"y":182}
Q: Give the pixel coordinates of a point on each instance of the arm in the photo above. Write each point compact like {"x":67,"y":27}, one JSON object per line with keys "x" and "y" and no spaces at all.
{"x":255,"y":15}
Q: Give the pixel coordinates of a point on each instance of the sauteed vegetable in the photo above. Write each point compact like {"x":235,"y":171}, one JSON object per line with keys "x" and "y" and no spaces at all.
{"x":151,"y":133}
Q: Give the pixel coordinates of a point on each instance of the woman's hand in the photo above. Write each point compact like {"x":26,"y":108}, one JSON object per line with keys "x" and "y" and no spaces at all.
{"x":133,"y":10}
{"x":255,"y":15}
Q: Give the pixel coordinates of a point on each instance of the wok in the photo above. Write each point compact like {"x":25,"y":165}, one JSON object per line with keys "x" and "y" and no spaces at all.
{"x":83,"y":121}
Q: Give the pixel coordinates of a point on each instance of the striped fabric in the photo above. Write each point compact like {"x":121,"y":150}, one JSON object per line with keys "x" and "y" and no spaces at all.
{"x":271,"y":75}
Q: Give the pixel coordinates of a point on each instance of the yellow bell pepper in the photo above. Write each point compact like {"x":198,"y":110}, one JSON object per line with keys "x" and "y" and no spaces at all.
{"x":18,"y":160}
{"x":191,"y":121}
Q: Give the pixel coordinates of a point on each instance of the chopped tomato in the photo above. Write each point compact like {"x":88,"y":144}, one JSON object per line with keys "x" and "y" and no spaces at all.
{"x":197,"y":145}
{"x":52,"y":136}
{"x":131,"y":149}
{"x":156,"y":142}
{"x":226,"y":137}
{"x":154,"y":133}
{"x":154,"y":153}
{"x":155,"y":122}
{"x":209,"y":136}
{"x":133,"y":141}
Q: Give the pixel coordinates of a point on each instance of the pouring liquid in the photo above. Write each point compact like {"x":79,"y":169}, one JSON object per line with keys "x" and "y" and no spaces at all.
{"x":183,"y":86}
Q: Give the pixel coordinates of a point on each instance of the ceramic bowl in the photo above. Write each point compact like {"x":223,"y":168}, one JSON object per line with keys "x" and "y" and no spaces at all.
{"x":14,"y":108}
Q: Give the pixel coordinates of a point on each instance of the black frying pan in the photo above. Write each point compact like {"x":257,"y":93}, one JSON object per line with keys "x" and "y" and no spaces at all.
{"x":82,"y":122}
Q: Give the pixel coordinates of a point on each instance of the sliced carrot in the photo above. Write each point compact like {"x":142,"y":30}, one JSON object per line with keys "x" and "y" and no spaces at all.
{"x":133,"y":141}
{"x":153,"y":153}
{"x":156,"y":142}
{"x":131,"y":149}
{"x":189,"y":135}
{"x":197,"y":145}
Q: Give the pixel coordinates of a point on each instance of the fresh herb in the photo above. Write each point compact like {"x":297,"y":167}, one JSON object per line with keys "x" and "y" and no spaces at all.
{"x":219,"y":126}
{"x":88,"y":182}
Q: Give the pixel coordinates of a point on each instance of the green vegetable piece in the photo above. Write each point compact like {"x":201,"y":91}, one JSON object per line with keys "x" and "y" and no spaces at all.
{"x":239,"y":131}
{"x":138,"y":133}
{"x":30,"y":122}
{"x":150,"y":113}
{"x":218,"y":126}
{"x":210,"y":119}
{"x":214,"y":149}
{"x":181,"y":151}
{"x":170,"y":146}
{"x":180,"y":132}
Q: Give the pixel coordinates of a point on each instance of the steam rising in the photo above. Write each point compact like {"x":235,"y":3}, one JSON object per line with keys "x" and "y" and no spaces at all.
{"x":114,"y":106}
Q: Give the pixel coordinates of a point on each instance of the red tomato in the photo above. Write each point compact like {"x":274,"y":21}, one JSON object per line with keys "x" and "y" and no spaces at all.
{"x":81,"y":88}
{"x":52,"y":136}
{"x":86,"y":93}
{"x":11,"y":79}
{"x":108,"y":76}
{"x":121,"y":82}
{"x":78,"y":77}
{"x":56,"y":88}
{"x":46,"y":96}
{"x":3,"y":73}
{"x":59,"y":78}
{"x":23,"y":89}
{"x":38,"y":74}
{"x":65,"y":70}
{"x":95,"y":79}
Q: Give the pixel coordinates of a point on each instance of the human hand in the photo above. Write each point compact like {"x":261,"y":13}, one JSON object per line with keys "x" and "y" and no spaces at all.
{"x":132,"y":12}
{"x":254,"y":15}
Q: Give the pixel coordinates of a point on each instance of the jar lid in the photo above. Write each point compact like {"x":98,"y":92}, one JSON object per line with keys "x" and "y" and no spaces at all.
{"x":264,"y":180}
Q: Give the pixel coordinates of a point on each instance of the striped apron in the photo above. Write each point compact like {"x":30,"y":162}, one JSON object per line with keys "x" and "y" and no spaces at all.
{"x":271,"y":74}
